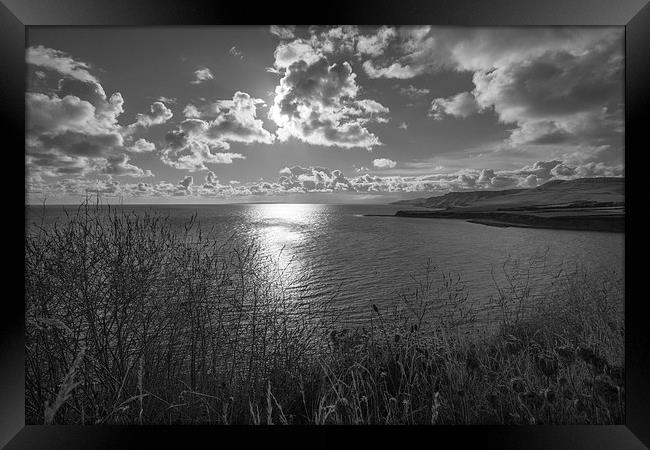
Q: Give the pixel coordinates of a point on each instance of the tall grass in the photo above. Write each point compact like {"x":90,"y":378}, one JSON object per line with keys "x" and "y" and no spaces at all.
{"x":132,"y":320}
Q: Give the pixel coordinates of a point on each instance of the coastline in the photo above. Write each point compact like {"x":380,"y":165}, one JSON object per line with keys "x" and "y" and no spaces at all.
{"x":612,"y":223}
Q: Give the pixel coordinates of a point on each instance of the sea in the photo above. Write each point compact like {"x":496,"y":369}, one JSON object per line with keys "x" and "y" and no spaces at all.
{"x":359,"y":255}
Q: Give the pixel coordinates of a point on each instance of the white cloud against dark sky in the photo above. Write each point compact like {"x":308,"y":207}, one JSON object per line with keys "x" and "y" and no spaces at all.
{"x":296,"y":111}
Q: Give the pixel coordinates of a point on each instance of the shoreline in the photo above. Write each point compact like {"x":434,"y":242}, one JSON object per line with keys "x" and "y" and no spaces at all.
{"x":612,"y":223}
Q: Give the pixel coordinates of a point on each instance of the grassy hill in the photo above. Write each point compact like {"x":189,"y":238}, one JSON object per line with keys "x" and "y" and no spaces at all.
{"x":580,"y":192}
{"x":582,"y":204}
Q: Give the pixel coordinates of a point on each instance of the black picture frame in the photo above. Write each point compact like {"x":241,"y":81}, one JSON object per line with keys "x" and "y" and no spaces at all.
{"x":17,"y":15}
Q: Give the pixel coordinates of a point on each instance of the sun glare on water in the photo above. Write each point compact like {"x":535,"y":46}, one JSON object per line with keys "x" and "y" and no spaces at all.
{"x":281,"y":231}
{"x":294,"y":213}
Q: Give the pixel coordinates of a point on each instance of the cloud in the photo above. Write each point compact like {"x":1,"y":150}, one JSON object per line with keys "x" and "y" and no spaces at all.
{"x":320,"y":179}
{"x":312,"y":179}
{"x":395,"y":70}
{"x":52,"y":114}
{"x":79,"y":144}
{"x":375,"y":44}
{"x":60,"y":62}
{"x":403,"y":126}
{"x":211,"y":181}
{"x":339,"y":40}
{"x":316,"y":102}
{"x":226,"y":121}
{"x":288,"y":53}
{"x":210,"y":128}
{"x":201,"y":75}
{"x":283,"y":32}
{"x":159,"y":114}
{"x":74,"y":130}
{"x":297,"y":179}
{"x":461,"y":105}
{"x":411,"y":91}
{"x":560,"y":97}
{"x":142,"y":146}
{"x":489,"y":179}
{"x":427,"y":49}
{"x":338,"y":43}
{"x":384,"y":163}
{"x":186,"y":151}
{"x":186,"y":182}
{"x":560,"y":85}
{"x":234,"y":51}
{"x":166,"y":100}
{"x":119,"y":165}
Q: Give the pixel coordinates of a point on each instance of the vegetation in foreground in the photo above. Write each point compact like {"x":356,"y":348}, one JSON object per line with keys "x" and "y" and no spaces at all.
{"x":133,"y":321}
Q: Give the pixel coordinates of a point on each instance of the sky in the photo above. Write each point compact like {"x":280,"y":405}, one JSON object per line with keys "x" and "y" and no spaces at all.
{"x":325,"y":114}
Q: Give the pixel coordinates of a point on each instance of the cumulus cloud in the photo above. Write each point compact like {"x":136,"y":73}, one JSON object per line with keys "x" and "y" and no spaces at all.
{"x":318,"y":98}
{"x":394,"y":70}
{"x":142,"y":146}
{"x":547,"y":169}
{"x":52,"y":114}
{"x":234,"y":51}
{"x":211,"y":181}
{"x":283,"y":32}
{"x":201,"y":75}
{"x":119,"y":165}
{"x":210,"y":128}
{"x":288,"y":53}
{"x":384,"y":163}
{"x":560,"y":97}
{"x":556,"y":85}
{"x":187,"y":182}
{"x":312,"y":179}
{"x":460,"y":105}
{"x":166,"y":100}
{"x":226,"y":121}
{"x":297,"y":179}
{"x":159,"y":114}
{"x":341,"y":40}
{"x":412,"y":92}
{"x":543,"y":171}
{"x":74,"y":129}
{"x":316,"y":102}
{"x":60,"y":62}
{"x":334,"y":42}
{"x":551,"y":87}
{"x":489,"y":179}
{"x":186,"y":151}
{"x":375,"y":44}
{"x":320,"y":179}
{"x":426,"y":49}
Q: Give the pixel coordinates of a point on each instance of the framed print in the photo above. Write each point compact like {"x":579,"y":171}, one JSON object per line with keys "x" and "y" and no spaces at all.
{"x":407,"y":220}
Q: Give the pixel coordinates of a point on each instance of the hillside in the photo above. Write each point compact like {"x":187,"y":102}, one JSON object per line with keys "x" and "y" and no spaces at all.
{"x":596,"y":204}
{"x":580,"y":192}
